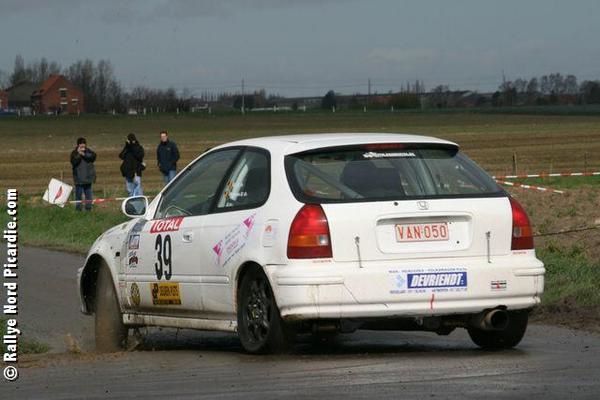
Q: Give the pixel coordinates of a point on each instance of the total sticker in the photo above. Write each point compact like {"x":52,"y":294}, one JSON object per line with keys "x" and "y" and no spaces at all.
{"x":166,"y":225}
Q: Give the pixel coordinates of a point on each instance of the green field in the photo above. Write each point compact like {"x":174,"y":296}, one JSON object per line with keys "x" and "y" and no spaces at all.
{"x":36,"y":149}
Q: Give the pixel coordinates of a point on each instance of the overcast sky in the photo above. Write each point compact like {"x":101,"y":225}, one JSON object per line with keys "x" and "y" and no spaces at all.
{"x":304,"y":47}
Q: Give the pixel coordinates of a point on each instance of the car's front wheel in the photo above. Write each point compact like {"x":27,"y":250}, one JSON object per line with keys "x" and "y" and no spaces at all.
{"x":111,"y":333}
{"x":260,"y":327}
{"x":502,"y":339}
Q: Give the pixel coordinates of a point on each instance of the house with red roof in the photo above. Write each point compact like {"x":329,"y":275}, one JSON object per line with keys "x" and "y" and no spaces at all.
{"x":58,"y":95}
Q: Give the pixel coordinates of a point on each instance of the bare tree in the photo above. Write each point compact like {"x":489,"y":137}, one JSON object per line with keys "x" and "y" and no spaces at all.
{"x":4,"y":79}
{"x":532,"y":87}
{"x":520,"y":85}
{"x":19,"y":72}
{"x":545,"y":86}
{"x":570,"y":85}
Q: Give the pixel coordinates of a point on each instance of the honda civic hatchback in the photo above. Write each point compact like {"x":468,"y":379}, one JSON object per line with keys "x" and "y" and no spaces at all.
{"x":278,"y":236}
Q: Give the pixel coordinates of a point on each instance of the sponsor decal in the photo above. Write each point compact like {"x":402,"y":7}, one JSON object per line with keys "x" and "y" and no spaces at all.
{"x":249,"y":222}
{"x":429,"y":280}
{"x":165,"y":293}
{"x":270,"y":233}
{"x":437,"y":280}
{"x":132,"y":259}
{"x":135,"y":294}
{"x":234,"y":241}
{"x":218,"y":248}
{"x":166,"y":225}
{"x":498,"y":286}
{"x":404,"y":154}
{"x":134,"y":242}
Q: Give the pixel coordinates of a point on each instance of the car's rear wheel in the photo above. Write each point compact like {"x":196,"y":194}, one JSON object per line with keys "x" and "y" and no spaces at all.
{"x":260,"y":327}
{"x":111,"y":333}
{"x":505,"y":338}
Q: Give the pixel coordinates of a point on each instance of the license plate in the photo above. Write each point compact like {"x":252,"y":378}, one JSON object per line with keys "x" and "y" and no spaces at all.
{"x":431,"y":232}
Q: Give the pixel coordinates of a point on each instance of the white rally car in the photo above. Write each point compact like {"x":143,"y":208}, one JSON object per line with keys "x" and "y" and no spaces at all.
{"x":276,"y":236}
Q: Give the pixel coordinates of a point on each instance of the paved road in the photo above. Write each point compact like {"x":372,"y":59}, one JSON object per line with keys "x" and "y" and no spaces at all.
{"x":550,"y":363}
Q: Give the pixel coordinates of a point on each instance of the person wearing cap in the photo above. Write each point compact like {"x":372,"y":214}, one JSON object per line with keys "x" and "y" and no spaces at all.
{"x":132,"y":165}
{"x":84,"y":173}
{"x":167,"y":156}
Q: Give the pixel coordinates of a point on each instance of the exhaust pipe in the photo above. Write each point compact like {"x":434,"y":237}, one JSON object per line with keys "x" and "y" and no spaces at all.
{"x":493,"y":320}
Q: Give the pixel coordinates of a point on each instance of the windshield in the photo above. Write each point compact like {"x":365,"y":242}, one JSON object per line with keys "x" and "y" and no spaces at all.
{"x":386,"y":172}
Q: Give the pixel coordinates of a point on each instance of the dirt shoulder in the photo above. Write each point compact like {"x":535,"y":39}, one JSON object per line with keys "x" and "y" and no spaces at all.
{"x":568,"y":314}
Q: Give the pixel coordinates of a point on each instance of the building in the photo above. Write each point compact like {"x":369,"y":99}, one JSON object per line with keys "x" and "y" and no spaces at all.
{"x":57,"y":95}
{"x":19,"y":96}
{"x":3,"y":100}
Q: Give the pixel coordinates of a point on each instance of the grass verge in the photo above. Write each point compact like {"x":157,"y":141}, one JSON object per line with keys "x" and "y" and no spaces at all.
{"x":571,"y":297}
{"x":64,"y":228}
{"x":570,"y":182}
{"x":26,"y":346}
{"x":570,"y":277}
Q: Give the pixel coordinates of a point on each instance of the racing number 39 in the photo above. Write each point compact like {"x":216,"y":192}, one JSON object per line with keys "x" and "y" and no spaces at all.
{"x":163,"y":265}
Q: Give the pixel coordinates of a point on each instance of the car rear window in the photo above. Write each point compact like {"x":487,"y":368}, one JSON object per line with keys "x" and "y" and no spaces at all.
{"x":386,"y":172}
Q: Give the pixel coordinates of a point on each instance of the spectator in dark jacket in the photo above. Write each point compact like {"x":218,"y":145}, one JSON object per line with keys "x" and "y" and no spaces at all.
{"x":132,"y":165}
{"x":167,"y":155}
{"x":84,"y":173}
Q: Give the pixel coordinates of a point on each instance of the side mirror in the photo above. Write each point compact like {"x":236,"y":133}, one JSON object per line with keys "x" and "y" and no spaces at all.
{"x":135,"y":207}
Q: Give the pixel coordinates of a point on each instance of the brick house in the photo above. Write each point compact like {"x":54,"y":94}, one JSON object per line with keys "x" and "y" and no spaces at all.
{"x":57,"y":95}
{"x":19,"y":96}
{"x":3,"y":100}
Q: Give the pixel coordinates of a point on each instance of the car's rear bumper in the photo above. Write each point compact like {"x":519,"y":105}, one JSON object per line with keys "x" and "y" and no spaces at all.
{"x":346,"y":290}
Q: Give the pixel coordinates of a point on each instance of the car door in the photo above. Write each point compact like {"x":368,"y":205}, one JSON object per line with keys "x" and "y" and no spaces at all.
{"x":230,"y":234}
{"x":166,"y":278}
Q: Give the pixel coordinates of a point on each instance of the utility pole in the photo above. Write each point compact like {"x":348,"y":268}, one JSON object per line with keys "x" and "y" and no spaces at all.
{"x":243,"y":102}
{"x":368,"y":91}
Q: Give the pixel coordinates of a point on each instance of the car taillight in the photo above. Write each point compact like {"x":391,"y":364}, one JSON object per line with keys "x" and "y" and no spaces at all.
{"x":309,"y":234}
{"x":522,"y":234}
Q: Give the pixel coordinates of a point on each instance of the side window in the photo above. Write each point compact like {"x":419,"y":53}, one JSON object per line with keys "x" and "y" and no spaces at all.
{"x":248,"y":185}
{"x":193,"y":192}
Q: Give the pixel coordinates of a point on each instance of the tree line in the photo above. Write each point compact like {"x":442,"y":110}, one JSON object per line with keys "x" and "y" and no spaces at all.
{"x":101,"y":89}
{"x":104,"y":93}
{"x":551,"y":89}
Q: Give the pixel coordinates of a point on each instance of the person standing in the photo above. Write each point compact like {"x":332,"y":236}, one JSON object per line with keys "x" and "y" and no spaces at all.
{"x":84,"y":173}
{"x":167,"y":156}
{"x":132,"y":165}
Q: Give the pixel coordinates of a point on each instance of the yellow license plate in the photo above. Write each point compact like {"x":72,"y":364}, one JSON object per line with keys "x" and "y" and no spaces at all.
{"x":165,"y":293}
